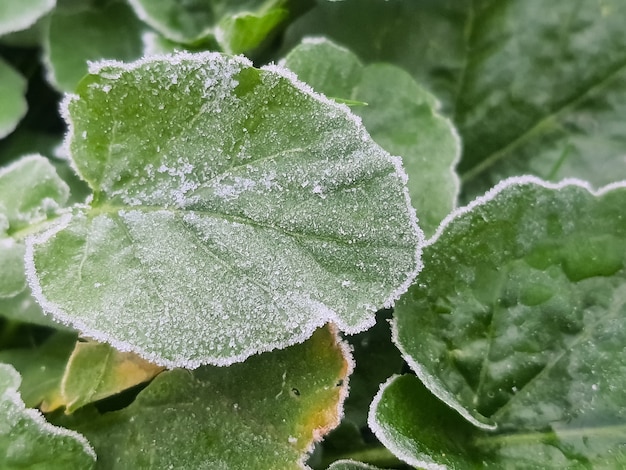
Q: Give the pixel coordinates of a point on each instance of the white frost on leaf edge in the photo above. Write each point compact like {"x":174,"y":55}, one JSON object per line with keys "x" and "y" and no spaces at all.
{"x":518,"y":181}
{"x":13,"y":395}
{"x":318,"y":434}
{"x":382,"y":434}
{"x":431,"y":382}
{"x":400,"y":174}
{"x":435,"y":386}
{"x":329,"y":316}
{"x":362,"y":465}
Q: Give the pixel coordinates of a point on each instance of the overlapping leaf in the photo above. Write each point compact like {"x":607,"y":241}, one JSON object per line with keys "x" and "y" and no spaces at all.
{"x":92,"y":33}
{"x":42,"y":368}
{"x":12,"y":101}
{"x":401,"y":116}
{"x":518,"y":324}
{"x":236,"y":26}
{"x":532,"y":87}
{"x":264,"y":413}
{"x":95,"y":371}
{"x":27,"y":440}
{"x":30,"y":192}
{"x":16,"y":16}
{"x":234,"y":211}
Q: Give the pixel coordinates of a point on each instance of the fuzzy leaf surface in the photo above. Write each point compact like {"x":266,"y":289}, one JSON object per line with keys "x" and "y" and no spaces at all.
{"x":12,"y":101}
{"x":518,"y":320}
{"x":234,"y":212}
{"x":30,"y":192}
{"x":264,"y":413}
{"x":111,"y":31}
{"x":400,"y":116}
{"x":27,"y":440}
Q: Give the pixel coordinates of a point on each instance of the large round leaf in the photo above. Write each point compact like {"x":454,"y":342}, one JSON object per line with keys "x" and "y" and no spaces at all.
{"x":234,"y":211}
{"x":518,"y":323}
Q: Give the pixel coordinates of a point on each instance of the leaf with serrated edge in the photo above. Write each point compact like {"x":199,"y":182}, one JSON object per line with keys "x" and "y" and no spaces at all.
{"x":515,"y":322}
{"x":264,"y":413}
{"x":27,"y":439}
{"x":12,"y":100}
{"x":234,"y":211}
{"x":16,"y":16}
{"x":95,"y":371}
{"x":401,"y":117}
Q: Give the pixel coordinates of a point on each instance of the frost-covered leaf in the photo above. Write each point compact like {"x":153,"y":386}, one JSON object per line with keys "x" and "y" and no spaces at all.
{"x":16,"y":15}
{"x":12,"y":101}
{"x":423,"y":431}
{"x":234,"y":212}
{"x":262,"y":414}
{"x":518,"y":319}
{"x":401,"y":116}
{"x":532,"y":87}
{"x":42,"y":369}
{"x":28,"y":441}
{"x":30,"y":191}
{"x":96,"y":371}
{"x":350,"y":465}
{"x":111,"y":31}
{"x":236,"y":25}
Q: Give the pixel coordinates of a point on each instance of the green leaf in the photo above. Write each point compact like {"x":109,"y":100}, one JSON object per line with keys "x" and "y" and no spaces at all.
{"x":237,"y":26}
{"x":19,"y":15}
{"x":400,"y":116}
{"x":517,"y":321}
{"x":111,"y":31}
{"x":245,"y":31}
{"x":423,"y":431}
{"x":262,"y":414}
{"x":96,"y":371}
{"x":12,"y":101}
{"x":30,"y":192}
{"x":27,"y":440}
{"x":42,"y":369}
{"x":234,"y":212}
{"x":350,"y":465}
{"x":532,"y":88}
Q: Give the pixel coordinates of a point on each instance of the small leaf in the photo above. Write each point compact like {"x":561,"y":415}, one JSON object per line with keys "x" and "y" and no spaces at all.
{"x":12,"y":100}
{"x":19,"y":15}
{"x":517,"y":321}
{"x":245,"y":31}
{"x":401,"y":117}
{"x":96,"y":371}
{"x":42,"y":369}
{"x":111,"y":31}
{"x":30,"y":192}
{"x":27,"y":440}
{"x":237,"y":26}
{"x":234,"y":212}
{"x":350,"y":465}
{"x":262,"y":414}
